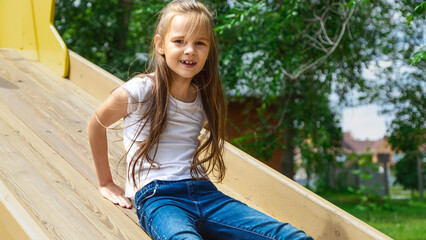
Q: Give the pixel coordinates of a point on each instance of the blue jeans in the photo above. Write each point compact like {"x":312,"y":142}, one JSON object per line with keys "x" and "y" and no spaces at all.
{"x":192,"y":209}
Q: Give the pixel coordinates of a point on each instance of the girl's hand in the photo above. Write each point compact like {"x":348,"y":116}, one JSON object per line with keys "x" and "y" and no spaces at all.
{"x":115,"y":194}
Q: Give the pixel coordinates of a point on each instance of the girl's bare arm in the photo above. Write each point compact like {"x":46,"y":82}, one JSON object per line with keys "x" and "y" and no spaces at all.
{"x":112,"y":110}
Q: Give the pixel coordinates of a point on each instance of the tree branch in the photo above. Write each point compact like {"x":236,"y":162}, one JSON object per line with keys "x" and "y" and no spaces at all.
{"x":325,"y":32}
{"x":321,"y":59}
{"x":316,"y":44}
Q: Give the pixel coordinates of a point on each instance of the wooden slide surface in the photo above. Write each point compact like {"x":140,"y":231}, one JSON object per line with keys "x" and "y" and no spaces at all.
{"x":45,"y":157}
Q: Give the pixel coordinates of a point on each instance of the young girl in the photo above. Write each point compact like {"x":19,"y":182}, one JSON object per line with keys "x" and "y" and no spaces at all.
{"x":168,"y":167}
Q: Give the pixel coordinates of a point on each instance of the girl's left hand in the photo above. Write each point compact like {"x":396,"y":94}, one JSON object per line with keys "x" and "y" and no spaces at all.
{"x":115,"y":194}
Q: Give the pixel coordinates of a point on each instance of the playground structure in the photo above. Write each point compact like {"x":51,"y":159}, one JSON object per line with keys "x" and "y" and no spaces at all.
{"x":48,"y":188}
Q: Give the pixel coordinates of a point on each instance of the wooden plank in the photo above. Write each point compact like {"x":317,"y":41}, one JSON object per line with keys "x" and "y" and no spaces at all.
{"x":52,"y":119}
{"x":55,"y":118}
{"x":81,"y":103}
{"x":42,"y":116}
{"x":90,"y":77}
{"x":46,"y":205}
{"x":74,"y":188}
{"x":62,"y":87}
{"x":288,"y":201}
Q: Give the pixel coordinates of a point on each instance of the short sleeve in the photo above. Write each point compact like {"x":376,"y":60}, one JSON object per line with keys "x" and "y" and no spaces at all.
{"x":137,"y":89}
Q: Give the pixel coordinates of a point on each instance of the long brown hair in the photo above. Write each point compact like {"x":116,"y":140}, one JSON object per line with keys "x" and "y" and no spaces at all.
{"x":208,"y":157}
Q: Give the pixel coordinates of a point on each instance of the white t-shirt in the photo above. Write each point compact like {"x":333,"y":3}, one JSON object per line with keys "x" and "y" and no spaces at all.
{"x":177,"y":144}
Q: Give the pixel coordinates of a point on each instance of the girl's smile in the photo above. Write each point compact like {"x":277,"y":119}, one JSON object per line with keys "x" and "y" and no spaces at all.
{"x":188,"y":63}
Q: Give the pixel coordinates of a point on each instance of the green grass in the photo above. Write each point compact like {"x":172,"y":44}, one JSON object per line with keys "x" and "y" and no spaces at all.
{"x":401,"y":219}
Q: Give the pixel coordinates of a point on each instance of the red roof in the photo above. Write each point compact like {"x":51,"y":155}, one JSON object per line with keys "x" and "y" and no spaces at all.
{"x":351,"y":145}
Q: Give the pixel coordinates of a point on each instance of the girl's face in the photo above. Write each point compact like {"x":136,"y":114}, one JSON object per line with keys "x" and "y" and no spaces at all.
{"x":185,"y":55}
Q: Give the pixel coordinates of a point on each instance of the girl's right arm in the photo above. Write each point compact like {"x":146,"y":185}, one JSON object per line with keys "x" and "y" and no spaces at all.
{"x":112,"y":110}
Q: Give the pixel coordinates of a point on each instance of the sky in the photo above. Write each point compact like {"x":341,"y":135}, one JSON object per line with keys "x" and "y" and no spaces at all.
{"x":364,"y":122}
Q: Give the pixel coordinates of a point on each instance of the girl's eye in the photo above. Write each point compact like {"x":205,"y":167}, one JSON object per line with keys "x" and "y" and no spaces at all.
{"x":179,"y":41}
{"x":201,"y":43}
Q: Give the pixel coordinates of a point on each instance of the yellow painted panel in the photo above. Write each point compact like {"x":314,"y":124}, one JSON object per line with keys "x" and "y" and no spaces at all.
{"x":28,"y":25}
{"x":9,"y":228}
{"x":17,"y":26}
{"x":15,"y":222}
{"x":52,"y":49}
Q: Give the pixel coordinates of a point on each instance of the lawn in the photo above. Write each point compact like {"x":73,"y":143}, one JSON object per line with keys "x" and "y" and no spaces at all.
{"x":402,"y":219}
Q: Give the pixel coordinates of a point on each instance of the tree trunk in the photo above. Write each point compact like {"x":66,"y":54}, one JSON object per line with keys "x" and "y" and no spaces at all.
{"x":384,"y":159}
{"x":308,"y":175}
{"x":385,"y":167}
{"x":420,"y":176}
{"x":357,"y":178}
{"x":123,"y":18}
{"x":287,"y":161}
{"x":331,"y":176}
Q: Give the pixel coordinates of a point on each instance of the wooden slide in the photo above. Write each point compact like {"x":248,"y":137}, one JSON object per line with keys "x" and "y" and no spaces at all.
{"x":48,"y":188}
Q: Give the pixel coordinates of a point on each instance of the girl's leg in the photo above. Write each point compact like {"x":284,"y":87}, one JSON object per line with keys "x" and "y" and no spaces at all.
{"x":191,"y":209}
{"x":163,"y":215}
{"x":169,"y":221}
{"x":227,"y":218}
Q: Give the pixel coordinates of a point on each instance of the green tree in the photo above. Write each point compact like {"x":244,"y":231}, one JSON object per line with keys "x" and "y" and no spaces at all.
{"x":406,"y":172}
{"x":293,"y":55}
{"x":408,"y":136}
{"x":402,"y":94}
{"x":418,"y":12}
{"x":110,"y":33}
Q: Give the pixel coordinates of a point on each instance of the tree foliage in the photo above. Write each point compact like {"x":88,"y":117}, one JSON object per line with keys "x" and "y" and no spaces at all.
{"x":97,"y":30}
{"x":418,"y":12}
{"x":403,"y":92}
{"x":293,"y":55}
{"x":406,"y":172}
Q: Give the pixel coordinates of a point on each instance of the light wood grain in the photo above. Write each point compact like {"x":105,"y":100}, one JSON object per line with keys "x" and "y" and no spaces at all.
{"x":90,"y":77}
{"x":59,"y":217}
{"x":51,"y":116}
{"x":45,"y":154}
{"x":69,"y":184}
